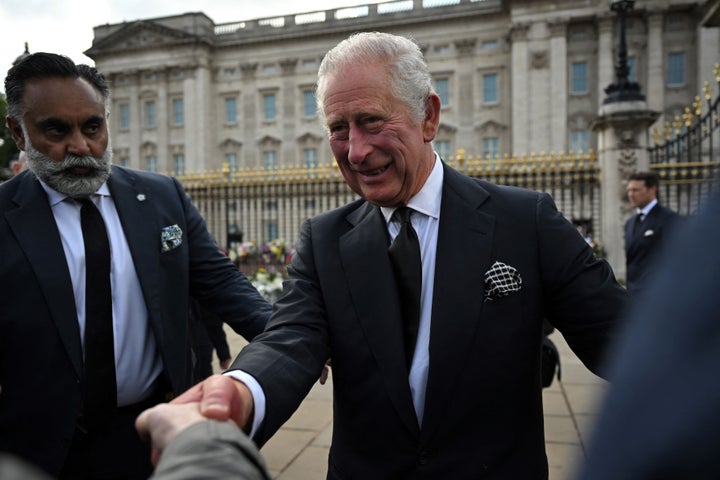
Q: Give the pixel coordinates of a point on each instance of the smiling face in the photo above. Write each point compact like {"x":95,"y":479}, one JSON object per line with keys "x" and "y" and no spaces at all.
{"x":383,"y":154}
{"x":64,"y":133}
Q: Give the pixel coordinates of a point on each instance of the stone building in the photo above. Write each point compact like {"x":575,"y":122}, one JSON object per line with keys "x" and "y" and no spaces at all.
{"x":514,"y":76}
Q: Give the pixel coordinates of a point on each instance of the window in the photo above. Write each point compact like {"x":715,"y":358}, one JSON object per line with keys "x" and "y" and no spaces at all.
{"x":442,"y":147}
{"x":309,"y":109}
{"x":232,"y":161}
{"x":579,"y":141}
{"x":178,"y":111}
{"x":676,"y":69}
{"x":124,"y":116}
{"x":632,"y":69}
{"x":579,"y":77}
{"x":442,"y":87}
{"x":179,"y":161}
{"x":311,"y":158}
{"x":490,"y":88}
{"x":150,"y":119}
{"x":490,"y":147}
{"x":231,"y":110}
{"x":151,"y":163}
{"x":272,"y":231}
{"x":269,"y":106}
{"x":269,"y":160}
{"x":124,"y":161}
{"x":488,"y":44}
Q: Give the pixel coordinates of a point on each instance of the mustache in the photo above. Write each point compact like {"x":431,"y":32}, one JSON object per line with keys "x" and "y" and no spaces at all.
{"x":75,"y":161}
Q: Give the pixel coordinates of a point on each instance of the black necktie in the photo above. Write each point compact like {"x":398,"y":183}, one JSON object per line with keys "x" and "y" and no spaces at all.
{"x":405,"y":257}
{"x":100,"y":384}
{"x":638,"y":222}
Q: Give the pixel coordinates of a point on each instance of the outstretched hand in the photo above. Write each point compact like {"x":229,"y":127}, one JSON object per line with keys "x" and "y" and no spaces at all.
{"x":163,"y":422}
{"x":221,"y":398}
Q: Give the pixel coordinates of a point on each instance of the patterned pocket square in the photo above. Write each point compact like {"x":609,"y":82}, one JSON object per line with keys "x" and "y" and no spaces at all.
{"x":501,"y":280}
{"x":171,"y":238}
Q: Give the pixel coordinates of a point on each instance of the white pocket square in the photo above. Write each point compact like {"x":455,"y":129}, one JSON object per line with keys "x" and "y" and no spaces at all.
{"x":501,"y":280}
{"x":170,"y":238}
{"x":648,"y":233}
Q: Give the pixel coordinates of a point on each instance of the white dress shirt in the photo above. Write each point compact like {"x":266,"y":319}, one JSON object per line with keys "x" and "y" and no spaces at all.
{"x":137,"y":361}
{"x":646,"y":209}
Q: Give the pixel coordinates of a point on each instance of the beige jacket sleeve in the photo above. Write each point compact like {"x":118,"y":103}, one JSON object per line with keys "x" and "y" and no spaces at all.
{"x":211,"y":450}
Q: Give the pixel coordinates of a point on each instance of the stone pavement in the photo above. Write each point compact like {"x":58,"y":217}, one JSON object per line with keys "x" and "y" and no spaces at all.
{"x":299,"y":450}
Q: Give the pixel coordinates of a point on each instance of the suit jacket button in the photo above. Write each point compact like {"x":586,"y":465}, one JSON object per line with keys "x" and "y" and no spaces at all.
{"x":423,"y":457}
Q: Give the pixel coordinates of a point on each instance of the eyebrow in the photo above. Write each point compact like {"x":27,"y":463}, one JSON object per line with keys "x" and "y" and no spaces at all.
{"x":56,"y":122}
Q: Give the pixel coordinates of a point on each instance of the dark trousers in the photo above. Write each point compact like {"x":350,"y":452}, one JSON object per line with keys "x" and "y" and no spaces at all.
{"x":114,"y":451}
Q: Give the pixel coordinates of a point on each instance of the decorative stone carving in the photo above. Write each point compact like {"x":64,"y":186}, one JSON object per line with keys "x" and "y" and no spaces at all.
{"x":519,"y":32}
{"x":465,"y":46}
{"x":288,"y":65}
{"x":248,"y":69}
{"x":558,"y":27}
{"x":539,"y":59}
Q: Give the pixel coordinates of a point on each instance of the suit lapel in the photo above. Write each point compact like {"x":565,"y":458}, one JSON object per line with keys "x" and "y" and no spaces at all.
{"x":463,"y":255}
{"x":134,"y":204}
{"x":34,"y":226}
{"x":363,"y":252}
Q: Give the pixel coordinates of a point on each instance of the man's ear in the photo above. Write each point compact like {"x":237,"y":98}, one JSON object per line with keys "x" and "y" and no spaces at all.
{"x":17,"y":132}
{"x":432,"y":118}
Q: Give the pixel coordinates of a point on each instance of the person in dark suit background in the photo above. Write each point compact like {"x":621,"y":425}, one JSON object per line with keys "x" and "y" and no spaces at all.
{"x":160,"y":253}
{"x":646,"y":231}
{"x":495,"y":261}
{"x":207,"y":335}
{"x":661,"y":417}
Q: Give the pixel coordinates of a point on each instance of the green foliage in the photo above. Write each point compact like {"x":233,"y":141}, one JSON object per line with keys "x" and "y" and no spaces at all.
{"x":8,"y":149}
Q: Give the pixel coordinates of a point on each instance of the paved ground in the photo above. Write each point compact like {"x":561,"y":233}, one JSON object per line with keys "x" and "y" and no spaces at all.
{"x":299,"y":450}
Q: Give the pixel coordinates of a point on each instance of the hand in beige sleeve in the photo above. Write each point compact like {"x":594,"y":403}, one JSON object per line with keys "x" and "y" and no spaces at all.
{"x":163,"y":422}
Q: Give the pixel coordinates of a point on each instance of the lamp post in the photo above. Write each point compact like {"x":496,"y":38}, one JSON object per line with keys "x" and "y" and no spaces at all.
{"x":622,"y":90}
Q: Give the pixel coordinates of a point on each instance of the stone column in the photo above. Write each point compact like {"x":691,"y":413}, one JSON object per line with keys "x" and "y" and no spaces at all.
{"x":136,"y":120}
{"x":655,"y":70}
{"x":623,"y":136}
{"x":606,"y":66}
{"x":558,"y":84}
{"x":520,"y":87}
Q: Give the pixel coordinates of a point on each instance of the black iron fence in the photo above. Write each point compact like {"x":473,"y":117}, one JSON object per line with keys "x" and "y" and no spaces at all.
{"x":685,"y":154}
{"x":248,"y":210}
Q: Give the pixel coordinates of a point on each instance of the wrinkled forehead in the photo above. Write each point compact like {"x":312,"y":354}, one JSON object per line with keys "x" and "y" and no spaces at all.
{"x":61,"y":97}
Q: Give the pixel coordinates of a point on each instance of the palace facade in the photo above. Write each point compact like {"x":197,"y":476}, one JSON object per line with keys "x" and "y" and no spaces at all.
{"x":190,"y":93}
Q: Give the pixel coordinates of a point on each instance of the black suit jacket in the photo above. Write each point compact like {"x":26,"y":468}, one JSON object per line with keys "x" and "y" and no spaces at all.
{"x":643,"y":243}
{"x":40,"y":350}
{"x":483,"y":412}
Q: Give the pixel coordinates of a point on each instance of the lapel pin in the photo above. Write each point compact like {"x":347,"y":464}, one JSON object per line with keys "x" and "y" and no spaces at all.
{"x":141,"y":197}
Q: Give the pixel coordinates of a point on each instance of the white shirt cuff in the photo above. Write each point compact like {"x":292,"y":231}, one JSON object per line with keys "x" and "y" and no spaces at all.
{"x":257,"y":393}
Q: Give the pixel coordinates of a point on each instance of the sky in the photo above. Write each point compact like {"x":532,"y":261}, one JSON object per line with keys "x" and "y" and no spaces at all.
{"x":67,"y":27}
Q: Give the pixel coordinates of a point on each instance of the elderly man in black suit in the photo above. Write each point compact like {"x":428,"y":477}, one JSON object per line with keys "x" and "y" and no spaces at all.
{"x":97,"y":265}
{"x":646,"y":231}
{"x":435,"y":357}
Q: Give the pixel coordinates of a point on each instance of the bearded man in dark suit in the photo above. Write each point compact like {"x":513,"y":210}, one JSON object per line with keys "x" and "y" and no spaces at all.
{"x":155,"y":251}
{"x":457,"y":394}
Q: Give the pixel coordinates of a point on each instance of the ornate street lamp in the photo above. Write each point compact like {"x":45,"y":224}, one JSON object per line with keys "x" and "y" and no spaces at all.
{"x":623,"y":90}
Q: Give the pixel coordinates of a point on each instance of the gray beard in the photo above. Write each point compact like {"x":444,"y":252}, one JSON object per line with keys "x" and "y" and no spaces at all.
{"x":59,"y":175}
